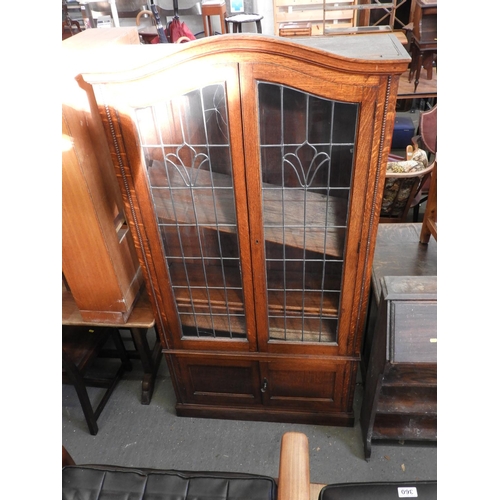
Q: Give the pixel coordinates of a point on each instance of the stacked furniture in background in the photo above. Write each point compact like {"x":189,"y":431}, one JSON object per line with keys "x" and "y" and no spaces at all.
{"x":423,"y":46}
{"x":323,"y":16}
{"x":334,"y":17}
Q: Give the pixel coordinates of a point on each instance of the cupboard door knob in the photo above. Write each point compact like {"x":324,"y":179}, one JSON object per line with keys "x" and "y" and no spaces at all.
{"x":264,"y":386}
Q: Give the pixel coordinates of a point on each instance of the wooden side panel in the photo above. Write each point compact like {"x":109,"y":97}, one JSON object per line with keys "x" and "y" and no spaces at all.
{"x":99,"y":260}
{"x":102,"y":271}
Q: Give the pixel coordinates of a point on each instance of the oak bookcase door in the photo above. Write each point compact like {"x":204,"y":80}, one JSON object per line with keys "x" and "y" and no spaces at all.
{"x":306,"y":176}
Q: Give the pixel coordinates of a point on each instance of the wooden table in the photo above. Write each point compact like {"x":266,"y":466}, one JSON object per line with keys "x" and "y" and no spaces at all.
{"x":207,"y":11}
{"x":140,"y":321}
{"x":426,"y":88}
{"x":424,"y":43}
{"x":398,"y":252}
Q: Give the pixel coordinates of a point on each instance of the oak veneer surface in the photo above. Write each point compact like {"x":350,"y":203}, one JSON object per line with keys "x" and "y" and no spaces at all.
{"x":113,"y":63}
{"x":256,"y":323}
{"x":294,"y":475}
{"x":99,"y":258}
{"x":140,"y":317}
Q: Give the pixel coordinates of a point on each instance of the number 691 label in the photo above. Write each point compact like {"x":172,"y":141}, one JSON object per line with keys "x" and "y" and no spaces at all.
{"x":407,"y":492}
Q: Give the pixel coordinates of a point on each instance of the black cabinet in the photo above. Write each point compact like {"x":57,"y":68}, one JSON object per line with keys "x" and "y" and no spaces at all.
{"x":400,"y":398}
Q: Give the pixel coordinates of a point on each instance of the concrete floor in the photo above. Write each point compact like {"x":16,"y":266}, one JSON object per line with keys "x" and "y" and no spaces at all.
{"x":131,"y":434}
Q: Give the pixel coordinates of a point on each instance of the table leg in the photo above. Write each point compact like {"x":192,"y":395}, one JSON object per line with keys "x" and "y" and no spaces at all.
{"x":81,"y":391}
{"x":150,"y":360}
{"x":120,"y":347}
{"x":207,"y":25}
{"x":415,"y":54}
{"x":427,"y":63}
{"x":223,"y":23}
{"x":419,"y":69}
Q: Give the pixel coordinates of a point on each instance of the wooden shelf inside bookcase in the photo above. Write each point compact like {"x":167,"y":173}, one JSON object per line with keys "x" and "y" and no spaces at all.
{"x":307,"y":333}
{"x":230,"y":299}
{"x":223,"y":200}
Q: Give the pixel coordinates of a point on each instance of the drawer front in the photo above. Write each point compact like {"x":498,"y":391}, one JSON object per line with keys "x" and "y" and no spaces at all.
{"x":218,"y":381}
{"x":414,"y":332}
{"x":406,"y":427}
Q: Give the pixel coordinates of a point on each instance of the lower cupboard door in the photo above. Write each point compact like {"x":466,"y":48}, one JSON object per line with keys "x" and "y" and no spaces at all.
{"x":209,"y":381}
{"x":305,"y":385}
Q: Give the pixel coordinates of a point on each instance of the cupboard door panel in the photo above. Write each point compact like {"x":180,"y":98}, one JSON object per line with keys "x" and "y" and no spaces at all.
{"x":219,"y":381}
{"x":316,"y":385}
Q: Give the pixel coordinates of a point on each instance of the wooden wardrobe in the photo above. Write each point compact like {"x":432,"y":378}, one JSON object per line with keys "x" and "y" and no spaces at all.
{"x":252,"y":171}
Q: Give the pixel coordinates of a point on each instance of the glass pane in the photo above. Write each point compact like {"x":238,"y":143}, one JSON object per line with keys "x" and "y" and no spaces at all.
{"x":307,"y":154}
{"x":186,"y":147}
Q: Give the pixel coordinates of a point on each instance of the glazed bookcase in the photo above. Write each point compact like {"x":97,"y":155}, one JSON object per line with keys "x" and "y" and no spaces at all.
{"x":251,"y":169}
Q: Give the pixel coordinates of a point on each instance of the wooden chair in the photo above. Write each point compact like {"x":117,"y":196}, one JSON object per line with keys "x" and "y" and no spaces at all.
{"x":294,"y":479}
{"x":80,"y":347}
{"x":412,"y":190}
{"x":427,"y":140}
{"x":429,"y":224}
{"x":70,"y":27}
{"x":401,"y":188}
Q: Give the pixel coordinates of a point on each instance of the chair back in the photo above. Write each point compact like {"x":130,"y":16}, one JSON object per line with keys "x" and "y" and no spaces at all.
{"x":428,"y":129}
{"x":403,"y":182}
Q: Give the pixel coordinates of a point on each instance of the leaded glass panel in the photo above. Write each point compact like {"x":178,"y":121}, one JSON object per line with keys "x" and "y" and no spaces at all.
{"x":185,"y":143}
{"x":307,"y":153}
